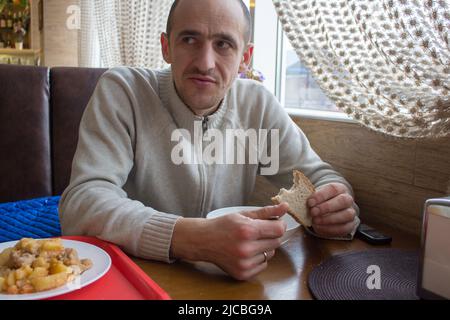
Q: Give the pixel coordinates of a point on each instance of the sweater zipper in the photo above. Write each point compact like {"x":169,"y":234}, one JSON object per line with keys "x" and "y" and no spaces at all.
{"x":202,"y":169}
{"x":204,"y":124}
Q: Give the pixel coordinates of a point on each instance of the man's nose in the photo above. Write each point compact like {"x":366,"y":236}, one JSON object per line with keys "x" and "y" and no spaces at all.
{"x":206,"y":60}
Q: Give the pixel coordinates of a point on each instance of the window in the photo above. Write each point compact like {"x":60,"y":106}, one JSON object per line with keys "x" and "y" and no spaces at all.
{"x":285,"y":76}
{"x":299,"y":89}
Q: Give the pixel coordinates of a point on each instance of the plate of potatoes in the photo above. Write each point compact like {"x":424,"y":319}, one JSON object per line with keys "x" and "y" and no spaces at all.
{"x":32,"y":269}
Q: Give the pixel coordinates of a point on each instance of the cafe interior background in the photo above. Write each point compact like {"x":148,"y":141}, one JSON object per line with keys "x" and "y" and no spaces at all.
{"x":375,"y":74}
{"x":394,"y":155}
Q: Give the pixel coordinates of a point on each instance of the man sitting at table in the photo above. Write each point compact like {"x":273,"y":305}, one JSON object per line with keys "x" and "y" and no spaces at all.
{"x":135,"y":184}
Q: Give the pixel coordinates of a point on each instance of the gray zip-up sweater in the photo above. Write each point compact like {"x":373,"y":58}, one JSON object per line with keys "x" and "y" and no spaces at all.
{"x":126,"y":188}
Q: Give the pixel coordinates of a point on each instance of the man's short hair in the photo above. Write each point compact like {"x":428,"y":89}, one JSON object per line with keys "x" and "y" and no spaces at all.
{"x":248,"y":19}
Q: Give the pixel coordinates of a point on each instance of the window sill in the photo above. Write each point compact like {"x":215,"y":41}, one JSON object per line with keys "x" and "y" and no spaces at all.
{"x":320,"y":115}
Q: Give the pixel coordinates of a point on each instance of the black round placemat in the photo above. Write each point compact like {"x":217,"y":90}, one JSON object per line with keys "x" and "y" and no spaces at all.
{"x":346,"y":276}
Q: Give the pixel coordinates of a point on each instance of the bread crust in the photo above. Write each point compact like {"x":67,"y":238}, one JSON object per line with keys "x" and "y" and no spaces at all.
{"x":299,"y":179}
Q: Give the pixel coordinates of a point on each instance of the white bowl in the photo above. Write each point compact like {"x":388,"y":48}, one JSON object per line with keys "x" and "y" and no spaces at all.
{"x":292,"y":225}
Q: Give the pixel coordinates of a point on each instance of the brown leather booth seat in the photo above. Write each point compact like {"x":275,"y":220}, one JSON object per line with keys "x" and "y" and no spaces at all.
{"x":40,"y":112}
{"x":70,"y":90}
{"x":25,"y":167}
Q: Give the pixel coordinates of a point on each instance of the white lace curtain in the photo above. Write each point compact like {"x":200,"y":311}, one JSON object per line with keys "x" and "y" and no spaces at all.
{"x":386,"y":63}
{"x":122,"y":32}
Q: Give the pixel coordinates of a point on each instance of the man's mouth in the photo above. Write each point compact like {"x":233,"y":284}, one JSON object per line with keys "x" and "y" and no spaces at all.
{"x":202,"y":80}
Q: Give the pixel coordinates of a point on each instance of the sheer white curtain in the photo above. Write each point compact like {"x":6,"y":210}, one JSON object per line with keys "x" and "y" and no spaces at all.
{"x":386,"y":63}
{"x":122,"y":32}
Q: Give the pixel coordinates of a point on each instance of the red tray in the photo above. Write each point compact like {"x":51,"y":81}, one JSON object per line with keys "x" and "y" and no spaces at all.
{"x":123,"y":281}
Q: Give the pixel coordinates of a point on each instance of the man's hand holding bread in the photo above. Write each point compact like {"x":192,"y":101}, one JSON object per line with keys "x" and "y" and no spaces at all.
{"x":332,"y":210}
{"x":329,"y":210}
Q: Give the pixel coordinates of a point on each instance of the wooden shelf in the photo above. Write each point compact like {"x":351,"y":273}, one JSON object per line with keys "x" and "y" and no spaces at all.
{"x":23,"y":57}
{"x":20,"y":52}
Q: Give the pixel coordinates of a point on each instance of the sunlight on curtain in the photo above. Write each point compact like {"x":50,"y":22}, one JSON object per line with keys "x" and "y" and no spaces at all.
{"x":122,"y":33}
{"x":386,"y":63}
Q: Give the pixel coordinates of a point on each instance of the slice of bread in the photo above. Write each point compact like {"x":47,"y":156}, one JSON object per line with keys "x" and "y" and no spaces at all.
{"x":296,"y":198}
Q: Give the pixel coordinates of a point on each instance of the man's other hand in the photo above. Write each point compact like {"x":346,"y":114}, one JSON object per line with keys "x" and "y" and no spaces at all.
{"x":332,"y":210}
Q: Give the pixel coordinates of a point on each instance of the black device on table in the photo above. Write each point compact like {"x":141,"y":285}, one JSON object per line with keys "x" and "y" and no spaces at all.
{"x":371,"y":235}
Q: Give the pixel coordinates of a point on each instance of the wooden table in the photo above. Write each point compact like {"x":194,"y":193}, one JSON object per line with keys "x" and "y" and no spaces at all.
{"x":284,"y":279}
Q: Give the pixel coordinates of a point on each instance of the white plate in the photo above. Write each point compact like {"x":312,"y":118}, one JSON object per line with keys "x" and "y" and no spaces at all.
{"x":292,"y":225}
{"x":101,"y":263}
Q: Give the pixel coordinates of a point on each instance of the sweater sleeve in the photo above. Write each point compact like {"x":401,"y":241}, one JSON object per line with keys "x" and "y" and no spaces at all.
{"x":296,"y":153}
{"x":94,"y":203}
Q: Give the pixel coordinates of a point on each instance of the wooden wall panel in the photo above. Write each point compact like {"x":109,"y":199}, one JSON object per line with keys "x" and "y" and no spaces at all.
{"x":433,"y":165}
{"x":347,"y":145}
{"x":35,"y":32}
{"x":60,"y":43}
{"x":391,"y":177}
{"x":385,"y":200}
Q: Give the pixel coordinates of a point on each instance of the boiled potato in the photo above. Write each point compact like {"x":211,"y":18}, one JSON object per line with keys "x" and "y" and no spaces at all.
{"x":49,"y":282}
{"x":58,"y":267}
{"x":23,"y":243}
{"x":32,"y":247}
{"x":38,"y":273}
{"x":28,"y":245}
{"x":52,"y":245}
{"x":4,"y":256}
{"x":41,"y":262}
{"x":11,"y":279}
{"x":21,"y":274}
{"x":2,"y":284}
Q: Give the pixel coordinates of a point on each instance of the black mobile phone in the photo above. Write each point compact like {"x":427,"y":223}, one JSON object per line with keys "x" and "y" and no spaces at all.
{"x":371,"y":235}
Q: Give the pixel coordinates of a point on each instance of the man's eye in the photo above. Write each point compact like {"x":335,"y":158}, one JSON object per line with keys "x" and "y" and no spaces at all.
{"x":223,"y":45}
{"x":188,"y":40}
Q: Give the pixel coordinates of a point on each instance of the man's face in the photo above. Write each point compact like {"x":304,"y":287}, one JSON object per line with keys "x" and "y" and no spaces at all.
{"x":206,"y":48}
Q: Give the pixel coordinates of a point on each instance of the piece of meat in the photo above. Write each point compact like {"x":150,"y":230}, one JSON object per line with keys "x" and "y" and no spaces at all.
{"x":85,"y":265}
{"x":76,"y":270}
{"x":70,"y":257}
{"x":48,"y":255}
{"x":32,"y":247}
{"x":19,"y":259}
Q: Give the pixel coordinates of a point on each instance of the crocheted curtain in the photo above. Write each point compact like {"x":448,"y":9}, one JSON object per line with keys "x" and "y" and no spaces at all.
{"x":386,"y":63}
{"x":122,"y":32}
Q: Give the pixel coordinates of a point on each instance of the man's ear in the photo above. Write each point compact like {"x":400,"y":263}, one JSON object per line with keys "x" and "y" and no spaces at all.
{"x":165,"y":47}
{"x":246,"y":58}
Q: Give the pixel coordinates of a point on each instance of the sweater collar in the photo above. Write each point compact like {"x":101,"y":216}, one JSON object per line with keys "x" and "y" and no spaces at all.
{"x":182,"y":115}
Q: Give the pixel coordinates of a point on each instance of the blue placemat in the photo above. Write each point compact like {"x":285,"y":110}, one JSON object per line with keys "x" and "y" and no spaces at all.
{"x":35,"y":218}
